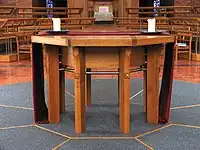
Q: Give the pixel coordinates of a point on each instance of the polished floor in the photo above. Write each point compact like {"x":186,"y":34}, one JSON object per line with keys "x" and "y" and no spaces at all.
{"x":18,"y":131}
{"x":17,"y":72}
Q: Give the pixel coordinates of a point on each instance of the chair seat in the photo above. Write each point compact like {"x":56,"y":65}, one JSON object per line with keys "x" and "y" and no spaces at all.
{"x":183,"y":47}
{"x":27,"y":46}
{"x":181,"y":44}
{"x":183,"y":51}
{"x":25,"y":52}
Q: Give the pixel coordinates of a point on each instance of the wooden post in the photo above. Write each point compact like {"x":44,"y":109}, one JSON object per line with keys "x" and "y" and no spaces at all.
{"x":53,"y":79}
{"x":88,"y":88}
{"x":79,"y":85}
{"x":153,"y":84}
{"x":124,"y":91}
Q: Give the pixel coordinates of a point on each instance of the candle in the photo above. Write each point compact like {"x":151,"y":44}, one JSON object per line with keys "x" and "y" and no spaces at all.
{"x":56,"y":24}
{"x":152,"y":25}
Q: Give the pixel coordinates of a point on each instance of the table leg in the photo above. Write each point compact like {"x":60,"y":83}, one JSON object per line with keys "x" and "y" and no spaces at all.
{"x":153,"y":83}
{"x":166,"y":87}
{"x":39,"y":105}
{"x":79,"y":85}
{"x":53,"y":79}
{"x":88,"y":88}
{"x":62,"y":83}
{"x":124,"y":90}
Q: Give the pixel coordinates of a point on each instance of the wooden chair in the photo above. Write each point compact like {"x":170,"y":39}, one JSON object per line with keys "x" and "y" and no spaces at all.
{"x":24,"y":46}
{"x":183,"y":45}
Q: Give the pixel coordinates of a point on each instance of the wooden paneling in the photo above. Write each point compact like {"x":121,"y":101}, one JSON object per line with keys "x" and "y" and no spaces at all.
{"x":183,"y":2}
{"x":79,"y":4}
{"x":196,"y":3}
{"x":8,"y":2}
{"x":109,"y":59}
{"x":118,"y":6}
{"x":123,"y":4}
{"x":132,"y":4}
{"x":102,"y":58}
{"x":24,"y":3}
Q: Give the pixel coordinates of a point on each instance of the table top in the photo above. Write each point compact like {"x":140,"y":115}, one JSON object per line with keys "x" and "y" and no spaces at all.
{"x":78,"y":41}
{"x":90,"y":37}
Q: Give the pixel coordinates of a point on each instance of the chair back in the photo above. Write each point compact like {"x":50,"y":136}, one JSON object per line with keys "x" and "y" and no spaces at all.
{"x":24,"y":39}
{"x":184,"y":38}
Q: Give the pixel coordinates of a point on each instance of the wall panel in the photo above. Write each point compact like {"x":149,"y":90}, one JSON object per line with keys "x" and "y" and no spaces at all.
{"x":79,"y":4}
{"x":123,"y":4}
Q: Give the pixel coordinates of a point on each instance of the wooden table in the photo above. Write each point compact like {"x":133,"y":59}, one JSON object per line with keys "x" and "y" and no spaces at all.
{"x":92,"y":50}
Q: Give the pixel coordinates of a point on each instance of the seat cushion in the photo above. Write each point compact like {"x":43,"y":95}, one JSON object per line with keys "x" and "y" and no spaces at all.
{"x":181,"y":44}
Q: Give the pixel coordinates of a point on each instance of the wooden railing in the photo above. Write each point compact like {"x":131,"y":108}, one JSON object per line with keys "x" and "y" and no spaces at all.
{"x":25,"y":23}
{"x":66,"y":23}
{"x":7,"y":11}
{"x":172,"y":24}
{"x":175,"y":23}
{"x":164,"y":11}
{"x":63,"y":12}
{"x":10,"y":29}
{"x":39,"y":12}
{"x":44,"y":12}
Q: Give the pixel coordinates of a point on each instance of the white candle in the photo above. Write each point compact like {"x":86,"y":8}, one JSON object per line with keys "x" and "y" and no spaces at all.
{"x":152,"y":25}
{"x":56,"y":24}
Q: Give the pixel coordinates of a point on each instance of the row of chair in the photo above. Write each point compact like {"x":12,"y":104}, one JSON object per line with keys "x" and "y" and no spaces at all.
{"x":186,"y":30}
{"x":22,"y":29}
{"x":183,"y":44}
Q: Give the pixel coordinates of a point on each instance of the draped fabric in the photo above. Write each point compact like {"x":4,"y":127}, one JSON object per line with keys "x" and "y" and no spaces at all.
{"x":166,"y":87}
{"x":39,"y":105}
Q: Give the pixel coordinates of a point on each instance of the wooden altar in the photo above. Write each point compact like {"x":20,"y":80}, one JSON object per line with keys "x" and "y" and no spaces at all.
{"x":101,"y":48}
